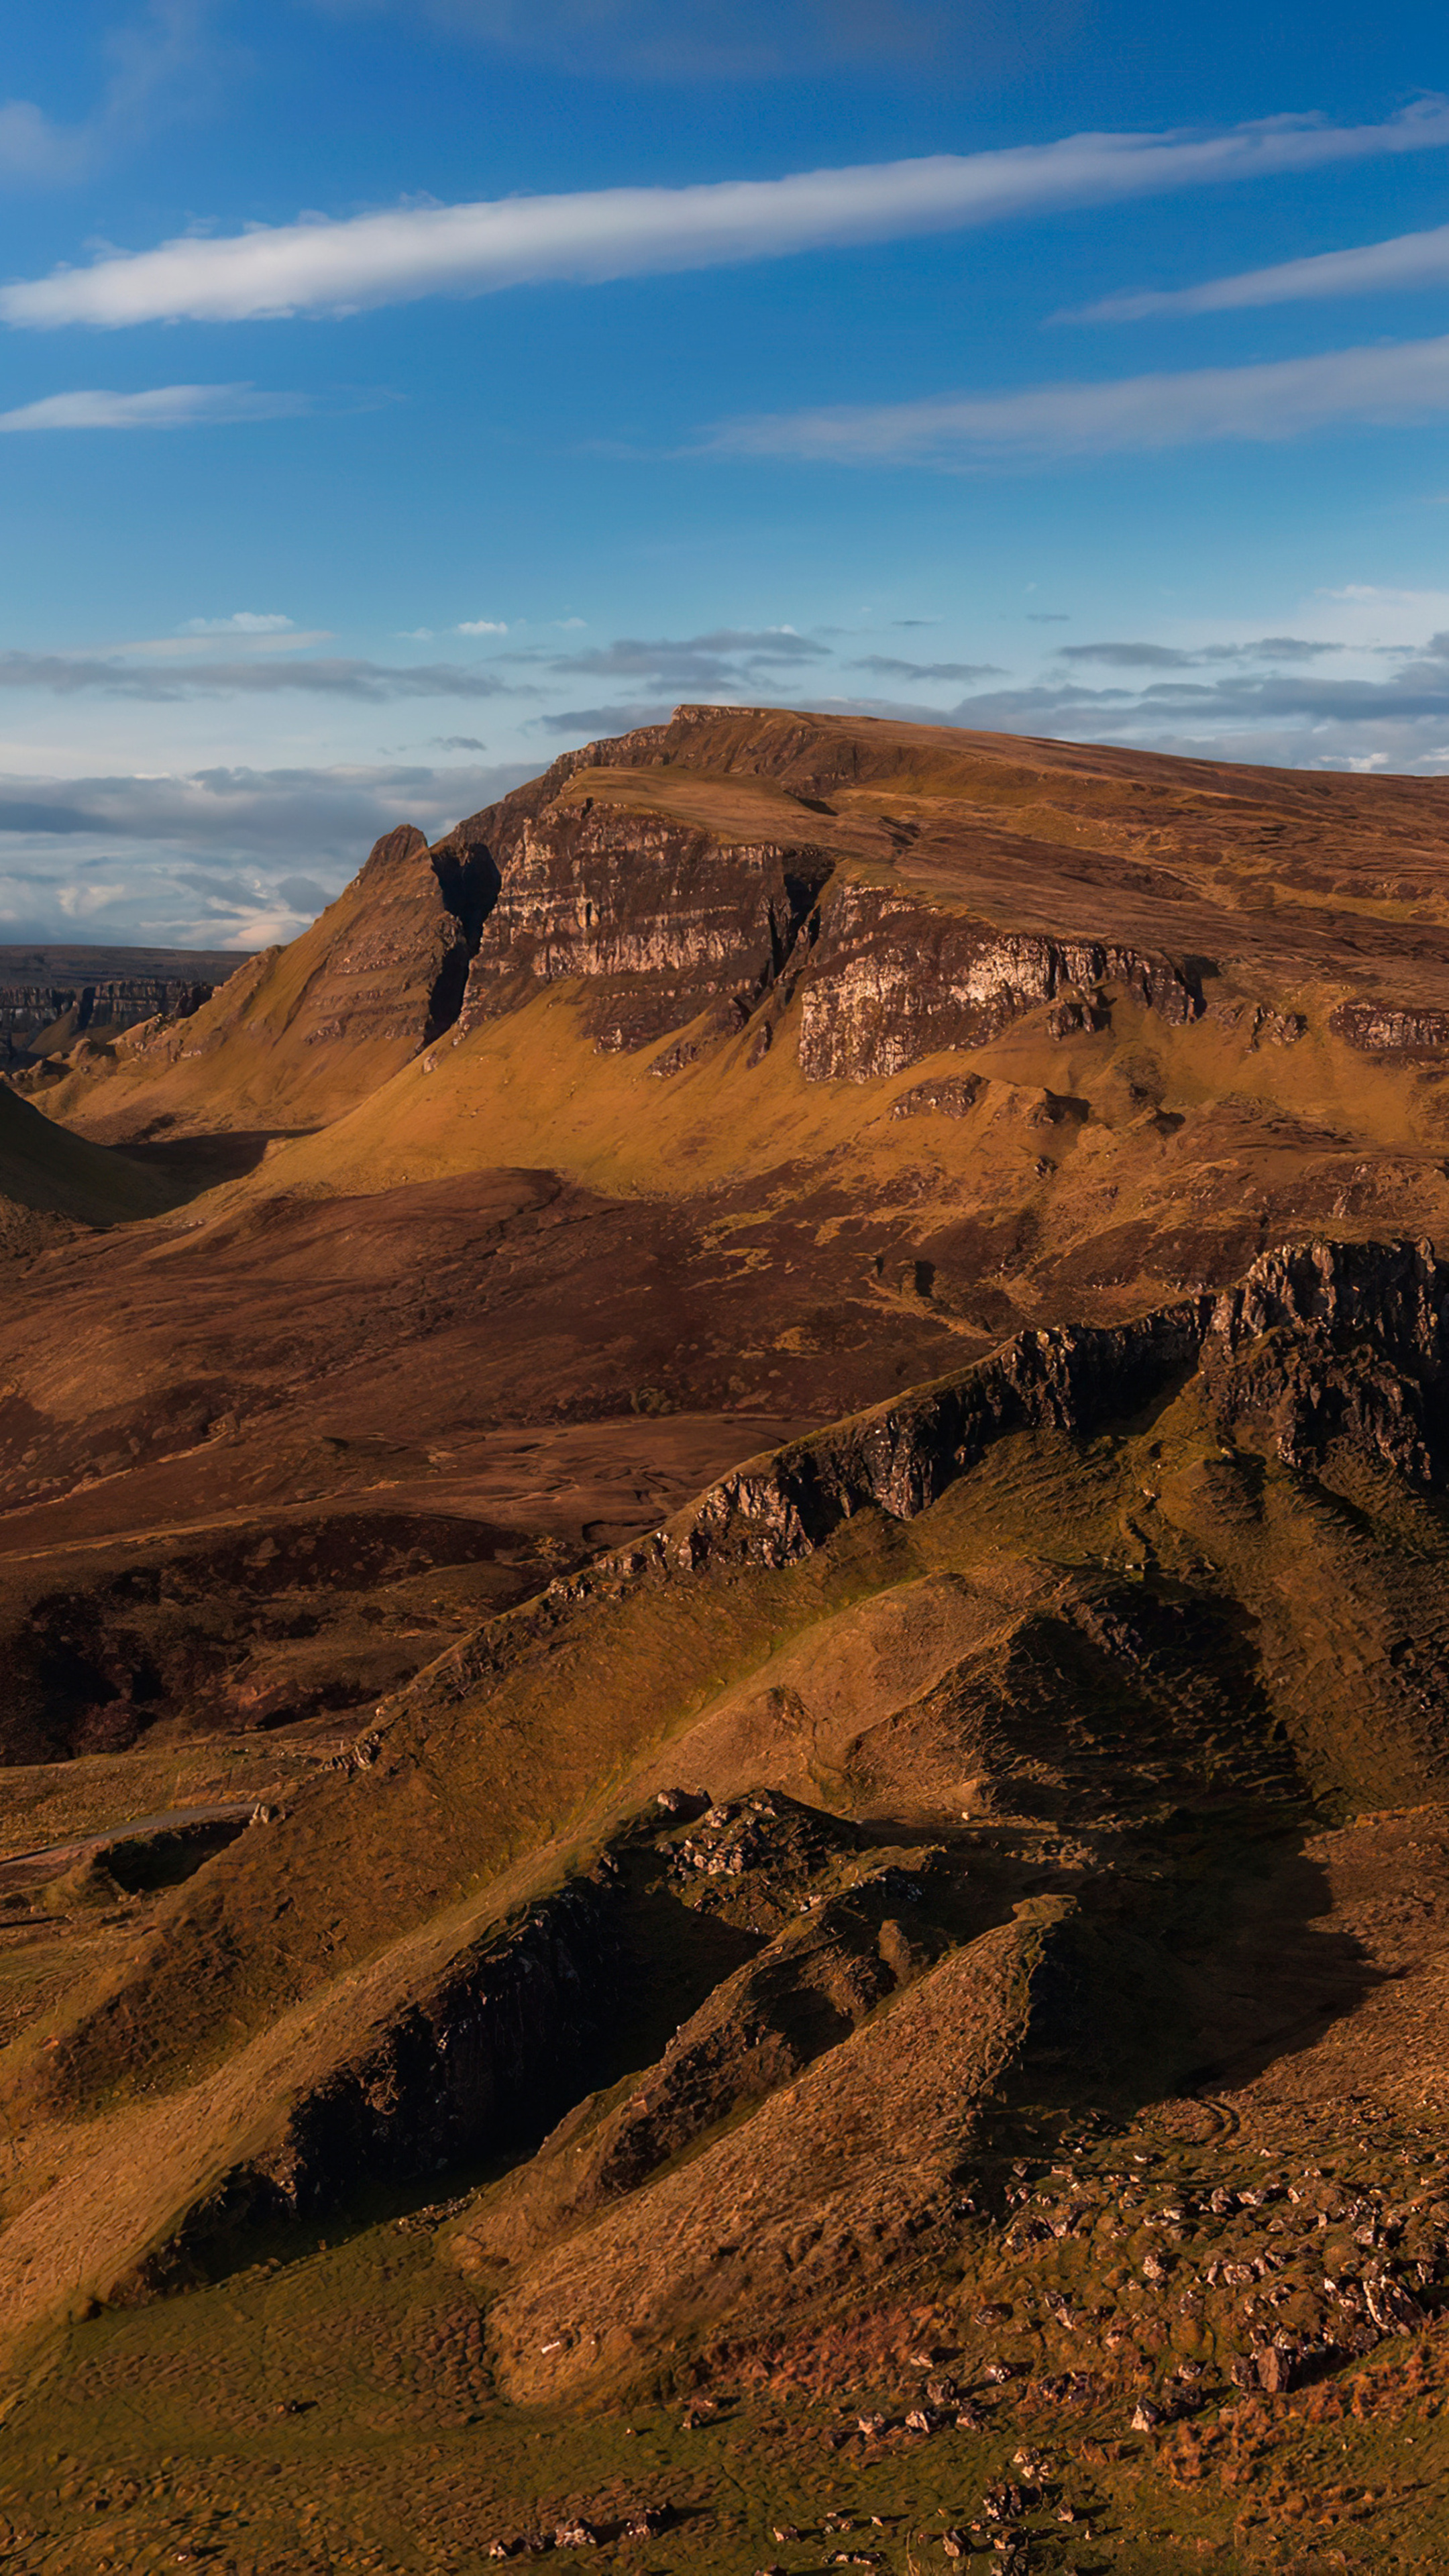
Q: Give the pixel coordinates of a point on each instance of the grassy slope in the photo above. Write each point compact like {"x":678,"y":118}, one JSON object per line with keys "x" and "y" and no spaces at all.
{"x":405,"y":2460}
{"x":1219,"y":1138}
{"x":257,"y":1055}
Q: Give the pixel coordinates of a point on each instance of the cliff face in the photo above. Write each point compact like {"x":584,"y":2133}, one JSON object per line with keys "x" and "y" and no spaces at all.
{"x":902,"y":968}
{"x":42,"y":1019}
{"x":665,"y":922}
{"x":1324,"y":1343}
{"x":891,"y":980}
{"x":1382,"y":1028}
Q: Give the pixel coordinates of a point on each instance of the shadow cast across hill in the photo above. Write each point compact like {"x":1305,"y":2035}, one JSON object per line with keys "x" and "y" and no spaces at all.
{"x":192,"y":1164}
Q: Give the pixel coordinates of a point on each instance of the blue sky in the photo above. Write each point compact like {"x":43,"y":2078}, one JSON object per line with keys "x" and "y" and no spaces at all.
{"x":393,"y":394}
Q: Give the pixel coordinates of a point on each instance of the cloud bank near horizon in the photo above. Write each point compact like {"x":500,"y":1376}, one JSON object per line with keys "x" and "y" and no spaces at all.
{"x":211,"y":858}
{"x":413,"y":250}
{"x":237,"y":857}
{"x":158,"y":680}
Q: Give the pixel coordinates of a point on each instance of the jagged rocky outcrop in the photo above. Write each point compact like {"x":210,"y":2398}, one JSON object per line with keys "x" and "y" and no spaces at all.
{"x":484,"y":2062}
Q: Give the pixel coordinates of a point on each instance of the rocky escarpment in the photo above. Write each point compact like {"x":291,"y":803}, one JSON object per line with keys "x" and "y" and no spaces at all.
{"x":892,"y":979}
{"x":1384,"y":1028}
{"x":664,"y":921}
{"x":471,"y":2041}
{"x":43,"y":1019}
{"x":1321,"y":1343}
{"x":1337,"y":1341}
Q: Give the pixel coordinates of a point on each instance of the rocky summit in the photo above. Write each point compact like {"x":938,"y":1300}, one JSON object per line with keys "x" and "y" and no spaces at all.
{"x":724,"y":1768}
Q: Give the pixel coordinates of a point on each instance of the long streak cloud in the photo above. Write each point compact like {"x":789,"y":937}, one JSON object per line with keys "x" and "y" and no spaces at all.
{"x":1281,"y":399}
{"x":1411,"y":260}
{"x":409,"y":251}
{"x":159,"y":407}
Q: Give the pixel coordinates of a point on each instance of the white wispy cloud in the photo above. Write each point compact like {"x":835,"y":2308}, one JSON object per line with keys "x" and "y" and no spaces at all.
{"x":243,"y":621}
{"x":1411,"y":260}
{"x":481,"y":626}
{"x":414,"y":250}
{"x":159,"y":407}
{"x":1280,"y":399}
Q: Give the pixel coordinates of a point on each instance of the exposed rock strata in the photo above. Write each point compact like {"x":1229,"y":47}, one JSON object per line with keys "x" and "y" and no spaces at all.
{"x":1382,"y":1028}
{"x":892,"y":979}
{"x":664,"y":922}
{"x":667,"y":921}
{"x":45,"y":1018}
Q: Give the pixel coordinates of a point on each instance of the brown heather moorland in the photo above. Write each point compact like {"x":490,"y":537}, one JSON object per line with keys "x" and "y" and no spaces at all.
{"x":724,"y":1761}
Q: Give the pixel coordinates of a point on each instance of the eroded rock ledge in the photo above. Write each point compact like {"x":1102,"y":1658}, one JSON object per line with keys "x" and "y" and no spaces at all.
{"x":1320,"y":1343}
